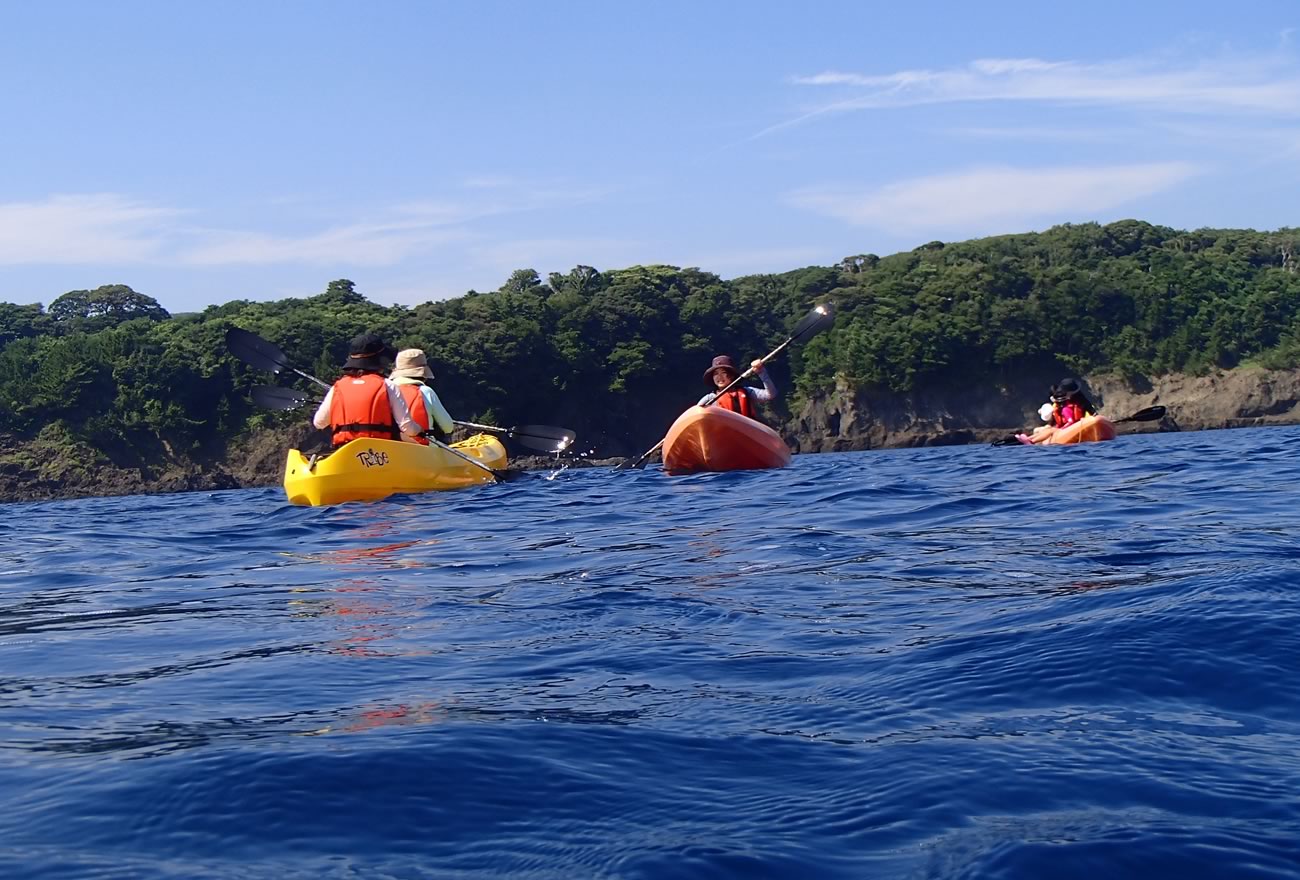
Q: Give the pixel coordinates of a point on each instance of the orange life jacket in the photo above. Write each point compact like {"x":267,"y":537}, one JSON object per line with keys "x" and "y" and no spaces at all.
{"x":737,"y":401}
{"x":1066,"y":414}
{"x":359,"y":408}
{"x":419,"y":412}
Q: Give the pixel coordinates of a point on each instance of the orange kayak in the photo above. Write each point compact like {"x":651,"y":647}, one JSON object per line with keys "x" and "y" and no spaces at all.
{"x":1086,"y":430}
{"x":710,"y":438}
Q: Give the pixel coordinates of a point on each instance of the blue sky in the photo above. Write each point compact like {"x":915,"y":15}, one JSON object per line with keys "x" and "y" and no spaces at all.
{"x":207,"y":152}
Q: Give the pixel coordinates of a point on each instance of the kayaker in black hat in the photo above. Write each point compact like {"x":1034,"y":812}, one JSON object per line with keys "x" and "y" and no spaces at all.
{"x":363,"y":403}
{"x":1069,"y":405}
{"x":742,"y":398}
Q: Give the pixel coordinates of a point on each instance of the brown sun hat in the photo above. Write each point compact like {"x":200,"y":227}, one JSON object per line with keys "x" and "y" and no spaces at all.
{"x":721,"y":362}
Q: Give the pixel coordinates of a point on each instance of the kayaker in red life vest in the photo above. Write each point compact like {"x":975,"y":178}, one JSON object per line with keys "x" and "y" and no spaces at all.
{"x":411,"y":374}
{"x":1069,"y":405}
{"x":741,"y":399}
{"x":363,"y":403}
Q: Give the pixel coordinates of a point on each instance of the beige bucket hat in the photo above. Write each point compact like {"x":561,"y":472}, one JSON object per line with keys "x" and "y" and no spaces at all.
{"x":412,"y":364}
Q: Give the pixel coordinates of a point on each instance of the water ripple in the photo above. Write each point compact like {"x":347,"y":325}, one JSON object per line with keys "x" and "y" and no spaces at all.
{"x":947,"y":663}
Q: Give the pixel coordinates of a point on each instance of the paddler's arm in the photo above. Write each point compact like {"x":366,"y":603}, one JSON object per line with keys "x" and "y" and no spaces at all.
{"x":401,"y":412}
{"x":437,"y":412}
{"x":322,"y":418}
{"x":768,"y":391}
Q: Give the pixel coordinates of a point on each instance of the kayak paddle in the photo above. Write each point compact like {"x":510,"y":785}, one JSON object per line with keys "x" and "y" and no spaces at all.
{"x":540,"y":438}
{"x":262,"y":355}
{"x":818,"y":319}
{"x":277,"y":397}
{"x":1150,"y":414}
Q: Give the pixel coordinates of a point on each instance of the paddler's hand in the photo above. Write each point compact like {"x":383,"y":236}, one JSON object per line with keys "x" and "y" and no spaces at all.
{"x":757,"y":366}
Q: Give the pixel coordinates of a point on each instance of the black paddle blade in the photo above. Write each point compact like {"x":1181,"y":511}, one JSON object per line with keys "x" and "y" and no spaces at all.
{"x":1009,"y":440}
{"x":275,"y":397}
{"x":542,"y":438}
{"x":1150,"y":414}
{"x":255,"y":351}
{"x":818,"y":319}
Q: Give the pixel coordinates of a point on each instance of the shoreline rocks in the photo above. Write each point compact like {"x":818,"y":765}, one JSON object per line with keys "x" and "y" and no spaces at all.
{"x":55,"y":465}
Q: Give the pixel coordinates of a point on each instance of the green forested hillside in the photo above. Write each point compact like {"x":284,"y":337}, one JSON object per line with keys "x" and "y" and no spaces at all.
{"x":616,"y":353}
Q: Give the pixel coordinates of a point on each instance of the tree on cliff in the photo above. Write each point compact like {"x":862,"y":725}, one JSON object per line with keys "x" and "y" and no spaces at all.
{"x":21,"y":322}
{"x":103,"y":307}
{"x":339,"y":293}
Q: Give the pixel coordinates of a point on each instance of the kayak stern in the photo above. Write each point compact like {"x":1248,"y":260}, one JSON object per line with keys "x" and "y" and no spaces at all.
{"x":369,"y":470}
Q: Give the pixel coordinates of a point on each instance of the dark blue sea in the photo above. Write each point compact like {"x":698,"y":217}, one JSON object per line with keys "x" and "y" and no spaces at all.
{"x":968,"y":662}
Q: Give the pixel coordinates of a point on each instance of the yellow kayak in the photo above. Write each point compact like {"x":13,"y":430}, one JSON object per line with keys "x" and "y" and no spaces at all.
{"x":369,"y":469}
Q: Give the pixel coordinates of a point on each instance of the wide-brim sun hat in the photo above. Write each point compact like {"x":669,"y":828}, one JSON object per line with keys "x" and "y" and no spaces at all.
{"x":412,"y":364}
{"x":721,"y":362}
{"x":367,"y":352}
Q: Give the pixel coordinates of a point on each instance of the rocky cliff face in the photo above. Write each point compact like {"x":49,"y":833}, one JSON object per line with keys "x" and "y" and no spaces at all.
{"x":55,"y":466}
{"x":851,"y":419}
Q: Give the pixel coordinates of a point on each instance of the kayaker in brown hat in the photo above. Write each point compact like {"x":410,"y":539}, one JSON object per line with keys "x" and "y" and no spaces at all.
{"x":742,"y":398}
{"x":363,"y":403}
{"x":411,"y":374}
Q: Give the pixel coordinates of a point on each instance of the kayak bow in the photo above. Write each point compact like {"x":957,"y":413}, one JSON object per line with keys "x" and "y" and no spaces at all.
{"x":716,"y":439}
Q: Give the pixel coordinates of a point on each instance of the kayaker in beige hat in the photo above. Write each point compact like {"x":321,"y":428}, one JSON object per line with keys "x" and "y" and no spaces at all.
{"x":411,"y":375}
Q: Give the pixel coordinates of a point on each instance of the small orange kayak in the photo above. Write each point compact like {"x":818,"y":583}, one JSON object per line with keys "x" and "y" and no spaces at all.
{"x":1087,"y":430}
{"x":710,"y":438}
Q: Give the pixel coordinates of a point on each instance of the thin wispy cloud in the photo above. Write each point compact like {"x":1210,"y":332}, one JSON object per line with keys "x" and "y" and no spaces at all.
{"x":987,"y":200}
{"x":118,"y":230}
{"x":83,"y":229}
{"x":488,"y":181}
{"x":1266,"y":86}
{"x":360,"y":245}
{"x":1022,"y":133}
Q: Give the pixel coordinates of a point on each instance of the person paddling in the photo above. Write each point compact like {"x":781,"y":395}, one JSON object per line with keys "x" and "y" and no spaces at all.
{"x":743,"y":398}
{"x":1069,"y":405}
{"x":363,"y":403}
{"x":411,"y":374}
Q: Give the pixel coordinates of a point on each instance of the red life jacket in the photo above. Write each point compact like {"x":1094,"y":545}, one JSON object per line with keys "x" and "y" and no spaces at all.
{"x":737,"y":401}
{"x":1067,"y":414}
{"x":419,"y":412}
{"x":359,"y":408}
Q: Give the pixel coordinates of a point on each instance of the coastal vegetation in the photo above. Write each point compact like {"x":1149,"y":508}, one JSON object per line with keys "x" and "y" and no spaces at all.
{"x":617,"y":353}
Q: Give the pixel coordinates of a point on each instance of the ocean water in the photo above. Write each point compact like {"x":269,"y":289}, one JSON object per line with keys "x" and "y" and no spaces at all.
{"x":966,"y":662}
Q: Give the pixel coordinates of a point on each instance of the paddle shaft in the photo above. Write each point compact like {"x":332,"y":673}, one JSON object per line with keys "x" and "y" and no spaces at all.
{"x":496,"y":478}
